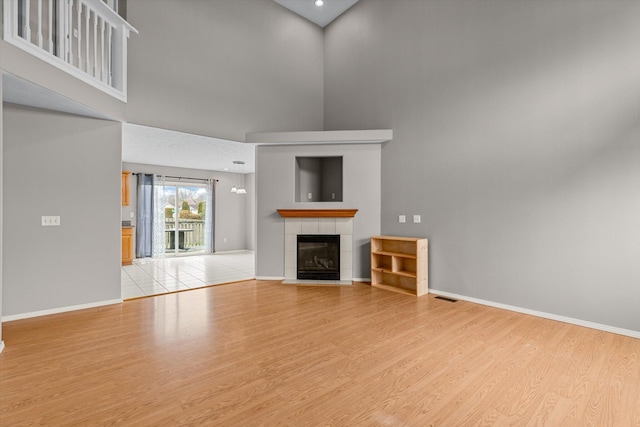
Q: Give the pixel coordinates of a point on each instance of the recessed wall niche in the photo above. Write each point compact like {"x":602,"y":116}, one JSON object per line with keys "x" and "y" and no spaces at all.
{"x":318,"y":179}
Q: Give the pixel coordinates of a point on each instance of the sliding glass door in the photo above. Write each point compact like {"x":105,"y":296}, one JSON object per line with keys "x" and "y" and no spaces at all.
{"x":185,"y":212}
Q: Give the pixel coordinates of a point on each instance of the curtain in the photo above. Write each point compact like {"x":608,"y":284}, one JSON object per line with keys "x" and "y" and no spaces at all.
{"x":144,"y":222}
{"x":209,"y":218}
{"x":159,"y":202}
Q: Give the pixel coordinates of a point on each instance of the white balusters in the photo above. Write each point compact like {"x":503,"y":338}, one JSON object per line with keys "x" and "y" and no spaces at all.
{"x":39,"y":24}
{"x":85,"y":38}
{"x":50,"y":27}
{"x":95,"y":45}
{"x":103,"y":71}
{"x":26,"y":19}
{"x":79,"y":31}
{"x":109,"y":68}
{"x":87,"y":33}
{"x":69,"y":32}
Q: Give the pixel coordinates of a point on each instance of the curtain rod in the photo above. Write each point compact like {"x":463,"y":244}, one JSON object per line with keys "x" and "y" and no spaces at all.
{"x":179,"y":177}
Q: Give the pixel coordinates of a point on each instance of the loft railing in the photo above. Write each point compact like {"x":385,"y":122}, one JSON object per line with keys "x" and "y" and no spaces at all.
{"x":85,"y":38}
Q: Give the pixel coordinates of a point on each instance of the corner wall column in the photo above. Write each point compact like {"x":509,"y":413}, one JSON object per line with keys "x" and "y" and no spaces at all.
{"x":1,"y":208}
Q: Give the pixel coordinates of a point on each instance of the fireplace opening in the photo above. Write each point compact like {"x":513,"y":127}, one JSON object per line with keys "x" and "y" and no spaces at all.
{"x":318,"y":257}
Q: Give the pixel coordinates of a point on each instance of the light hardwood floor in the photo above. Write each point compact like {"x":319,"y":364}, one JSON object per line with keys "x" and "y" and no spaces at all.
{"x":262,"y":353}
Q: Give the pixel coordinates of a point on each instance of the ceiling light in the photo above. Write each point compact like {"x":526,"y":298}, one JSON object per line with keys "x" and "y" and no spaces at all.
{"x":319,"y":3}
{"x":239,"y":164}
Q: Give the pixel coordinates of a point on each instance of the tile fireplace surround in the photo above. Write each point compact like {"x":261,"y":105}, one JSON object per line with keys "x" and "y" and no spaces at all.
{"x":318,"y":221}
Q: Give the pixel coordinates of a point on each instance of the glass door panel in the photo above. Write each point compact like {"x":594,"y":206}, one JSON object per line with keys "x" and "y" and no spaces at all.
{"x":170,"y":219}
{"x":184,"y":214}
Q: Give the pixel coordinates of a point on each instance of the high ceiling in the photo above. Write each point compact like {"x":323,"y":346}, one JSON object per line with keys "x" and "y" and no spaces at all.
{"x":321,"y":16}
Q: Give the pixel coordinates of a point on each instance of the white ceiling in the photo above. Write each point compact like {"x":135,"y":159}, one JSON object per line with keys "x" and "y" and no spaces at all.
{"x":154,"y":146}
{"x":321,"y":16}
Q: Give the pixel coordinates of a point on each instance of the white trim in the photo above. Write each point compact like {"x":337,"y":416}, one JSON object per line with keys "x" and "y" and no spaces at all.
{"x":578,"y":322}
{"x":1,"y":346}
{"x":368,"y":136}
{"x":60,"y":310}
{"x":362,"y":279}
{"x":312,"y":282}
{"x":269,"y":278}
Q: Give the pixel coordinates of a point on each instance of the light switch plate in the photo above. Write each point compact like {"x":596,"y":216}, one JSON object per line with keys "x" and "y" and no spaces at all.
{"x":402,"y":219}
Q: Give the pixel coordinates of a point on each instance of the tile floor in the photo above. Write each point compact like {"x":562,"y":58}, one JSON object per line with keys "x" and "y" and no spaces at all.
{"x":160,"y":276}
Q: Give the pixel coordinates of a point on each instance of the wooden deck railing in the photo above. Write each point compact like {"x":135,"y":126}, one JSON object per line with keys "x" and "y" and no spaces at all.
{"x":193,"y":239}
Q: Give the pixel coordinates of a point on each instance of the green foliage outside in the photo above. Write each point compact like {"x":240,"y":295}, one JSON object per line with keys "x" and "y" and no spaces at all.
{"x":184,"y":214}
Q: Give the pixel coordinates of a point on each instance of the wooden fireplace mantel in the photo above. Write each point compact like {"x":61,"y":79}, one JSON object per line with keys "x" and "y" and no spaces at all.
{"x":317,"y":213}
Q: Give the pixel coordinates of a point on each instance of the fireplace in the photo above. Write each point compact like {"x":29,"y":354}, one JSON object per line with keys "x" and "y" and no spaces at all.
{"x":318,"y":257}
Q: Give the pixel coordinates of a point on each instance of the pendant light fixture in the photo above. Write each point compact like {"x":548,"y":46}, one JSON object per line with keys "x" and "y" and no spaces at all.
{"x":239,"y":164}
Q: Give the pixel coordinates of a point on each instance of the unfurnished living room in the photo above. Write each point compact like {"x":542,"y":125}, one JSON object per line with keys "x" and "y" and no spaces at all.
{"x":357,"y":212}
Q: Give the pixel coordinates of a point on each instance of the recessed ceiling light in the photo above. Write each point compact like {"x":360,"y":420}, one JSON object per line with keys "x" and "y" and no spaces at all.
{"x":319,"y":3}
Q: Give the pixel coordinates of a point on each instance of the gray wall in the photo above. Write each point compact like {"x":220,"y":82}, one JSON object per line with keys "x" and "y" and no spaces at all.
{"x":223,"y":67}
{"x":275,"y":176}
{"x":57,"y":164}
{"x":250,"y":237}
{"x":516,"y":128}
{"x":233,"y":216}
{"x":1,"y":204}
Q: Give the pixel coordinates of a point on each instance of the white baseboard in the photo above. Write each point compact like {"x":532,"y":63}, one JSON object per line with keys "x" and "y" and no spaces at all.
{"x":269,"y":278}
{"x":578,"y":322}
{"x":1,"y":346}
{"x":60,"y":310}
{"x":362,"y":279}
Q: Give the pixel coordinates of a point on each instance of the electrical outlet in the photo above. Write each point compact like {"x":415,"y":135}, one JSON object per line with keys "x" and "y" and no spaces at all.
{"x":131,"y":214}
{"x":310,"y":196}
{"x":333,"y":196}
{"x":402,"y":219}
{"x":224,"y":240}
{"x":416,"y":219}
{"x":50,"y":221}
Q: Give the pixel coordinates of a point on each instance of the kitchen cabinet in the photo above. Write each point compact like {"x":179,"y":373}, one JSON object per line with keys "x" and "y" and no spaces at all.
{"x":125,"y":188}
{"x":127,"y":246}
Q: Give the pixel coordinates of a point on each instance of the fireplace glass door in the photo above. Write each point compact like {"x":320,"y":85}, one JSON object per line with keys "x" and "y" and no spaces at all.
{"x":318,"y":257}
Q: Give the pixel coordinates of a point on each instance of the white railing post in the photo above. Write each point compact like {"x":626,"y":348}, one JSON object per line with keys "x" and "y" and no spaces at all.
{"x":87,"y":18}
{"x":103,"y":73}
{"x":95,"y":44}
{"x":80,"y":38}
{"x":26,"y":18}
{"x":109,"y":55}
{"x":119,"y":61}
{"x":69,"y":32}
{"x":50,"y":28}
{"x":39,"y":23}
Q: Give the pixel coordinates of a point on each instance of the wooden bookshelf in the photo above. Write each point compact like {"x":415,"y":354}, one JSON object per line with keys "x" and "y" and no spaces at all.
{"x":400,"y":264}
